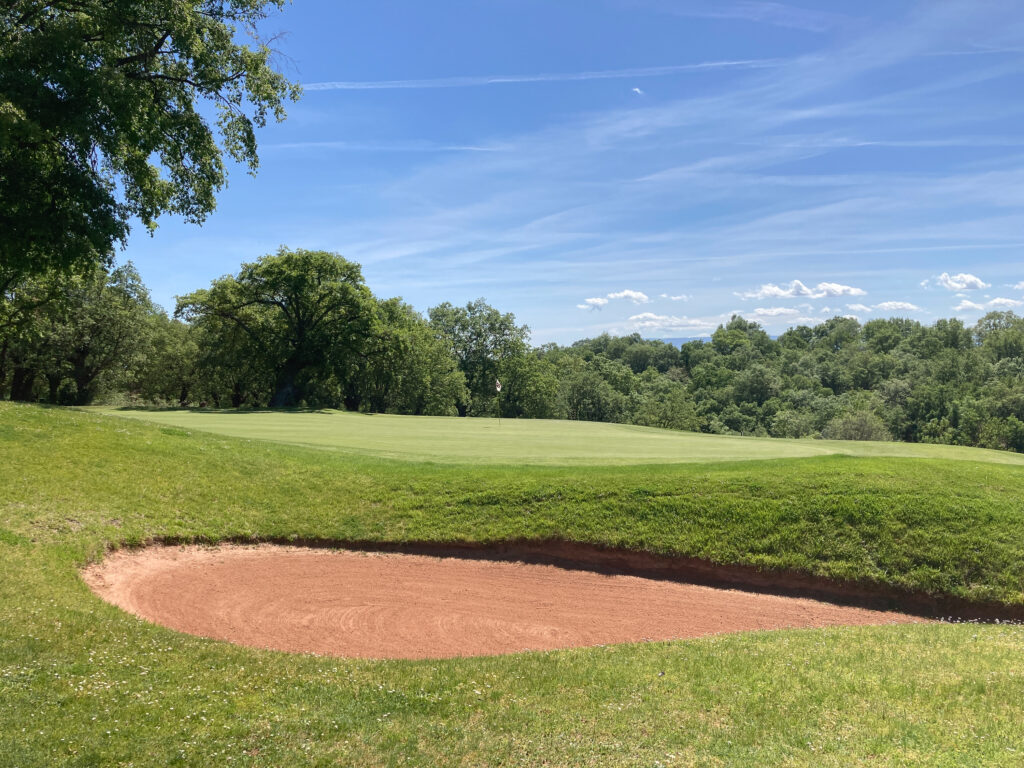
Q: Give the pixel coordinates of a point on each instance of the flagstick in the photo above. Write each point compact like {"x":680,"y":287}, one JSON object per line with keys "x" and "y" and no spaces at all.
{"x":497,"y":399}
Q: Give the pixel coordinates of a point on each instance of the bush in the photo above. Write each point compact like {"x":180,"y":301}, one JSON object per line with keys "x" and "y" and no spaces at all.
{"x":859,"y":425}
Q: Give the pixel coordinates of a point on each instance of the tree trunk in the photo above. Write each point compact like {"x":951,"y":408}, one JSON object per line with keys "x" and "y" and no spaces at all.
{"x":85,"y":380}
{"x":22,"y":383}
{"x":3,"y":366}
{"x":54,"y":380}
{"x":286,"y":394}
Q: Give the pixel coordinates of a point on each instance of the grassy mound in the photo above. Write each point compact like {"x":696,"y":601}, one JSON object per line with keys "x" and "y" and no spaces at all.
{"x":83,"y":683}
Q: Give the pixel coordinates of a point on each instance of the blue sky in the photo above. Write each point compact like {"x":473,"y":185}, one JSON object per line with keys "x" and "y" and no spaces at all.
{"x":641,"y":165}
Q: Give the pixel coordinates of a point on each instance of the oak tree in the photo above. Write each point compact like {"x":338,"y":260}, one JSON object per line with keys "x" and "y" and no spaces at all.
{"x":105,"y":118}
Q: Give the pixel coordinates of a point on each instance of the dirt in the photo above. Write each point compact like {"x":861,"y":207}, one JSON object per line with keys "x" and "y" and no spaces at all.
{"x":383,"y":605}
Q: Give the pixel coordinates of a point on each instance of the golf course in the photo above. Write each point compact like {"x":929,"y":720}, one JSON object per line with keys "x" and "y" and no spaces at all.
{"x":86,"y":683}
{"x":511,"y":385}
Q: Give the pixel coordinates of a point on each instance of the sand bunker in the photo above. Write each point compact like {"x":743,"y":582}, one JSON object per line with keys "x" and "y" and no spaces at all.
{"x":368,"y":605}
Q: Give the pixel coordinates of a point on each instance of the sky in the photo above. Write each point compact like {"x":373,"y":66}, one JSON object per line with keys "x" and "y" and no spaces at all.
{"x":649,"y":166}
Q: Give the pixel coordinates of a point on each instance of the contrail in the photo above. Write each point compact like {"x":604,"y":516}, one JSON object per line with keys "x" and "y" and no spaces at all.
{"x":600,"y":74}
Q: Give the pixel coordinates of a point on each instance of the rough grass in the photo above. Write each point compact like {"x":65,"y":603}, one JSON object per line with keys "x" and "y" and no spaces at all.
{"x":526,"y":441}
{"x":82,"y":683}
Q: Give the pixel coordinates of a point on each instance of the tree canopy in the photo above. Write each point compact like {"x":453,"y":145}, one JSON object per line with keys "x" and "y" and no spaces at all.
{"x":101,"y":119}
{"x":308,"y":314}
{"x":480,"y":338}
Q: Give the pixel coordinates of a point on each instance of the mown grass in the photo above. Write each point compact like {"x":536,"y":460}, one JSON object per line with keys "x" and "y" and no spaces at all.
{"x":525,"y":441}
{"x":82,"y":683}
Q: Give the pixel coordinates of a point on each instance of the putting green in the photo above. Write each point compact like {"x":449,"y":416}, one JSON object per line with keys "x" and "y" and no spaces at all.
{"x":524,"y":441}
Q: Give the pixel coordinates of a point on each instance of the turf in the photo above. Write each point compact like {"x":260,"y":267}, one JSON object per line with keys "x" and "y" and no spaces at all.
{"x":82,"y":683}
{"x":526,"y":441}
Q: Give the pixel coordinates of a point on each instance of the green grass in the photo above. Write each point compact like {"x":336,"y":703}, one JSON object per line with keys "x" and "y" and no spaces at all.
{"x":82,"y":683}
{"x":526,"y":441}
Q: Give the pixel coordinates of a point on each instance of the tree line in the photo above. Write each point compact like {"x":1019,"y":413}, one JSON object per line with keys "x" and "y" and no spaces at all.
{"x":300,"y":328}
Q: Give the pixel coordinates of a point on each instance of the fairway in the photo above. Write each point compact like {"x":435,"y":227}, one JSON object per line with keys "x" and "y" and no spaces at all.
{"x":525,"y":441}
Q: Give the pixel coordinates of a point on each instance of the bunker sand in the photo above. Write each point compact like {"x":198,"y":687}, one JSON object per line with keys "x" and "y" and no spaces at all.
{"x":372,"y":605}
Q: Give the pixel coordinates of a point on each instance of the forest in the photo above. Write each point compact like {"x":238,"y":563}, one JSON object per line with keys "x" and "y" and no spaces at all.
{"x":301,"y":329}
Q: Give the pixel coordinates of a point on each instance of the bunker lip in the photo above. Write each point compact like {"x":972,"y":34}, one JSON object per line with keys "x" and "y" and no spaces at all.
{"x":388,"y":605}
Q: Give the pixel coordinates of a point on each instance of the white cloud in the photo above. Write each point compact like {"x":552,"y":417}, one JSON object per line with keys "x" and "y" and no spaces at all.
{"x":638,"y":91}
{"x":996,"y":303}
{"x":648,"y":321}
{"x":637,"y":297}
{"x":1019,"y":286}
{"x":859,"y":307}
{"x":893,"y":306}
{"x":680,"y":297}
{"x":962,"y":281}
{"x":797,"y":288}
{"x":968,"y":306}
{"x":836,"y":289}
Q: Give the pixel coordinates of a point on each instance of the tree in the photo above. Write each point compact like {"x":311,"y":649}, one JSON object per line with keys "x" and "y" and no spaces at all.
{"x":100,"y":119}
{"x":93,"y":330}
{"x":1001,"y":335}
{"x":307,"y":313}
{"x":230,"y":368}
{"x":665,"y":403}
{"x":482,"y":340}
{"x":529,"y":388}
{"x":168,"y":375}
{"x":407,"y":369}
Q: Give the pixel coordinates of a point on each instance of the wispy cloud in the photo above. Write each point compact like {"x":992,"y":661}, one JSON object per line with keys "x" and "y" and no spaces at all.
{"x":758,"y":11}
{"x":762,"y":312}
{"x":397,"y":146}
{"x":776,"y":171}
{"x":474,"y":81}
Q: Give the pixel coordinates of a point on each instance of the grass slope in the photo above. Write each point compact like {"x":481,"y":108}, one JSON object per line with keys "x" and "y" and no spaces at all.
{"x":82,"y":683}
{"x":526,"y":441}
